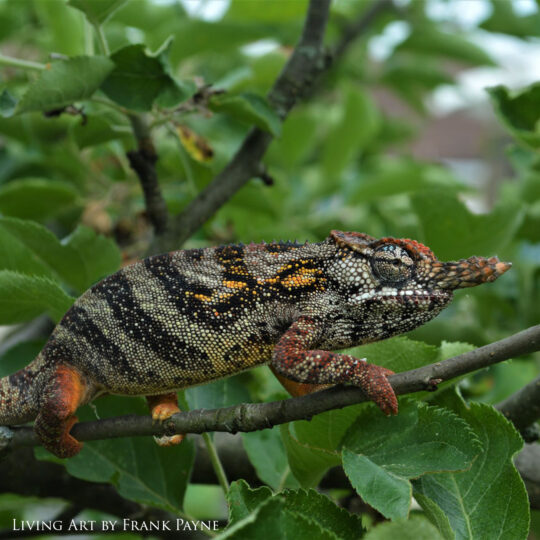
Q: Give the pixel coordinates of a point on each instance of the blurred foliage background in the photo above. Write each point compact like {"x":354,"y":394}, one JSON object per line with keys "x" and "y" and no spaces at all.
{"x":397,"y":139}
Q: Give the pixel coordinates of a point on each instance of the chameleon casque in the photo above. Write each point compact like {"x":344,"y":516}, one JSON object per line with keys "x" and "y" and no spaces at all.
{"x":188,"y":317}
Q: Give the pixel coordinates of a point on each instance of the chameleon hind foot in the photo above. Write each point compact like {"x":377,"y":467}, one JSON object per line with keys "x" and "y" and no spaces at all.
{"x":161,"y":407}
{"x":63,"y":394}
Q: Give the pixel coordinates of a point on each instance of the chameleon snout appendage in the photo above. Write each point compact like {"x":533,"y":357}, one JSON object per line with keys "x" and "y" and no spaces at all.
{"x":188,"y":317}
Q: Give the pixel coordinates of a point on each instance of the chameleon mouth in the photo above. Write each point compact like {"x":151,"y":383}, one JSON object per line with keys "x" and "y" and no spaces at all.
{"x":414,"y":296}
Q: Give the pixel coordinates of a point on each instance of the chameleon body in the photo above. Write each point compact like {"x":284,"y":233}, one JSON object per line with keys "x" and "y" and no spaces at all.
{"x":187,"y":317}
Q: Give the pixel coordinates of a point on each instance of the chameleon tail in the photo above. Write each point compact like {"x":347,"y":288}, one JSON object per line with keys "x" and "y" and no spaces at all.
{"x":19,"y":399}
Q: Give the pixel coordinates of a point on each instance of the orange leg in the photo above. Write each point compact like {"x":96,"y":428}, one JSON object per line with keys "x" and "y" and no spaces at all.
{"x":295,"y":388}
{"x":162,"y":407}
{"x":60,"y":399}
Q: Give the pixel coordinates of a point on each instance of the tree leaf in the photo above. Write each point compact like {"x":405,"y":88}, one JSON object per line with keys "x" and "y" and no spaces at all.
{"x":488,"y":500}
{"x":139,"y":469}
{"x":504,"y":20}
{"x":519,"y":111}
{"x":139,"y":80}
{"x":304,"y":507}
{"x":67,"y":81}
{"x":415,"y":528}
{"x":243,"y":500}
{"x":380,"y":455}
{"x":357,"y":126}
{"x":318,"y":507}
{"x":35,"y":198}
{"x":398,"y":353}
{"x":312,"y":447}
{"x":432,"y":42}
{"x":98,"y":130}
{"x":267,"y":454}
{"x":19,"y":356}
{"x":31,"y":248}
{"x":277,"y":522}
{"x":97,"y":11}
{"x":217,"y":394}
{"x":86,"y":243}
{"x":8,"y":103}
{"x":453,"y":232}
{"x":250,"y":109}
{"x":23,"y":297}
{"x":398,"y":176}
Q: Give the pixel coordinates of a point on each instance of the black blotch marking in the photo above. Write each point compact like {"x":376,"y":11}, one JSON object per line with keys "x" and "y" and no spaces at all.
{"x":80,"y":323}
{"x":141,"y":327}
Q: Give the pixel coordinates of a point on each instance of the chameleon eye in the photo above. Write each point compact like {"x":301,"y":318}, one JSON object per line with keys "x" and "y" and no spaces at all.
{"x":392,"y":264}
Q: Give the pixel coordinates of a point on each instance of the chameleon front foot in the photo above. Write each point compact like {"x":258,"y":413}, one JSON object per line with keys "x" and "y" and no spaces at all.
{"x":63,"y":394}
{"x":162,"y":407}
{"x":373,"y":382}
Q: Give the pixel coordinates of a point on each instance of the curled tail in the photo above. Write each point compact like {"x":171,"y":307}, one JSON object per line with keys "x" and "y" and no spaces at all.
{"x":19,"y":393}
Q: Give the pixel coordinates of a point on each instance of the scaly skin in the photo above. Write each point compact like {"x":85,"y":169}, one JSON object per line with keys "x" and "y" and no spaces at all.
{"x":188,"y":317}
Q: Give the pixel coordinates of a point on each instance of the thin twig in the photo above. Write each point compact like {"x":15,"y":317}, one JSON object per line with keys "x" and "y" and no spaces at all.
{"x":216,"y":463}
{"x":255,"y":416}
{"x":143,"y":162}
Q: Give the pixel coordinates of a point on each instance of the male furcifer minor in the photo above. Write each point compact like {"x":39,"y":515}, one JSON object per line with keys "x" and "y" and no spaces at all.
{"x":188,"y":317}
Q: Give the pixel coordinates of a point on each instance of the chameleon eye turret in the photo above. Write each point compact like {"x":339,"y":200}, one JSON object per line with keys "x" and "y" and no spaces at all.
{"x":392,"y":264}
{"x":188,"y":317}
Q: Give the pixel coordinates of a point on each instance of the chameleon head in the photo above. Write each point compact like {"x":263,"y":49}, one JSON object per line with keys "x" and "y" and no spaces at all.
{"x":395,"y":285}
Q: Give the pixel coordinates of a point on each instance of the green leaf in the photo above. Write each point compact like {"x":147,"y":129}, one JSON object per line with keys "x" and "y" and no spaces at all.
{"x":140,"y":80}
{"x":312,"y":447}
{"x":22,"y":298}
{"x":139,"y":469}
{"x":19,"y":356}
{"x":358,"y":124}
{"x":97,"y":11}
{"x":504,"y":20}
{"x":87,"y":243}
{"x":8,"y":103}
{"x":296,"y":142}
{"x":398,"y":353}
{"x":276,"y":521}
{"x":98,"y":130}
{"x":396,"y":176}
{"x":218,"y":394}
{"x":411,"y":77}
{"x":434,"y":513}
{"x":319,"y":508}
{"x":298,"y":507}
{"x":453,"y":232}
{"x":67,"y":81}
{"x":266,"y":11}
{"x":380,"y":455}
{"x":250,"y":109}
{"x":519,"y":111}
{"x":30,"y":248}
{"x":388,"y":493}
{"x":35,"y":198}
{"x":267,"y":454}
{"x":243,"y":500}
{"x":488,"y":500}
{"x":415,"y":528}
{"x":432,"y":42}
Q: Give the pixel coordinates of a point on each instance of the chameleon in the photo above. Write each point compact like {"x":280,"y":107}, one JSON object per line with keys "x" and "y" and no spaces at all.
{"x":187,"y":317}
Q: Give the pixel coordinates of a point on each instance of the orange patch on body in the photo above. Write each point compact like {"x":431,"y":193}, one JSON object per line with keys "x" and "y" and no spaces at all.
{"x":66,"y":391}
{"x":235,"y":284}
